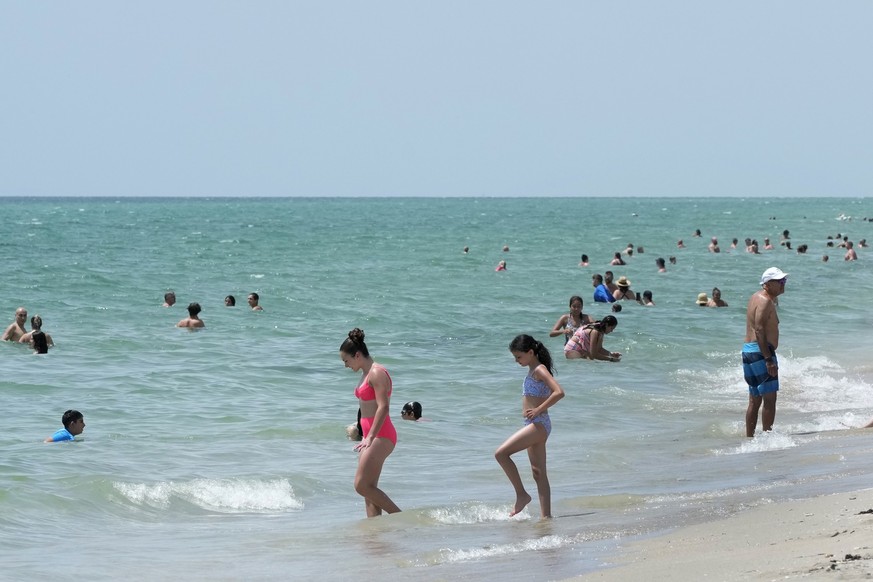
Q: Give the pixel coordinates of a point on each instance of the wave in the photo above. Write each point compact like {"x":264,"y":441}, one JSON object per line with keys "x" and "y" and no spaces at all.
{"x":220,"y":495}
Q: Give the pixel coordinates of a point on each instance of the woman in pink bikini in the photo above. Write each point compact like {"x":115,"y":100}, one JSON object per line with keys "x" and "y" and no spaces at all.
{"x":379,"y":435}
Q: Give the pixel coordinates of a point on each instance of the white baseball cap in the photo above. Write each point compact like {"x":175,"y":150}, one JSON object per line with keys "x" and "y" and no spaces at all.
{"x":773,"y":274}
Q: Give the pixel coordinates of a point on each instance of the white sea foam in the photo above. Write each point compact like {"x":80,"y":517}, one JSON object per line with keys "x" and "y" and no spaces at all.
{"x":224,"y":495}
{"x":543,"y":543}
{"x":473,"y":513}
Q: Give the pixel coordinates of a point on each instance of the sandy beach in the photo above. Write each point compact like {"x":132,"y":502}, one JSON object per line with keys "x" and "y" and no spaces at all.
{"x":824,"y":538}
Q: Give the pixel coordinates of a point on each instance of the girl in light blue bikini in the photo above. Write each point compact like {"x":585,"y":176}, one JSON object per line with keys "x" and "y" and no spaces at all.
{"x":540,"y":391}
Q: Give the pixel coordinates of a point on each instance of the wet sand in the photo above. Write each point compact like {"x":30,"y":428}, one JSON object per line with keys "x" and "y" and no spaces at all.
{"x":825,"y":538}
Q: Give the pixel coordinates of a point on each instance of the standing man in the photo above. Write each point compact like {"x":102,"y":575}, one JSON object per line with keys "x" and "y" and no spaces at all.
{"x":16,"y":329}
{"x":760,"y":368}
{"x":253,"y":302}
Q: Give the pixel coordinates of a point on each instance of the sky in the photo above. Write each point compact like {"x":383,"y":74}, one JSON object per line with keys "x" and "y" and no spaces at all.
{"x":452,"y":98}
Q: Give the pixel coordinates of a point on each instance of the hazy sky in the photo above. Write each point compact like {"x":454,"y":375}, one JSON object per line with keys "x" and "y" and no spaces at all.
{"x":414,"y":98}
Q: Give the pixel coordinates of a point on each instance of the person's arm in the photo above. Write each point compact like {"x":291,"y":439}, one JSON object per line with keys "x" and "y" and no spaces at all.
{"x":49,"y":341}
{"x":7,"y":335}
{"x":25,"y":339}
{"x":559,"y":326}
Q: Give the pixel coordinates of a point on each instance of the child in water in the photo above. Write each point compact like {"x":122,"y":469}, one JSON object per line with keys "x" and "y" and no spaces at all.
{"x":411,"y":411}
{"x":74,"y":424}
{"x":540,"y":391}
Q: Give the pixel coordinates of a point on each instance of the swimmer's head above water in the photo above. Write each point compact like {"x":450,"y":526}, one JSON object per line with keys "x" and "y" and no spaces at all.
{"x":411,"y":411}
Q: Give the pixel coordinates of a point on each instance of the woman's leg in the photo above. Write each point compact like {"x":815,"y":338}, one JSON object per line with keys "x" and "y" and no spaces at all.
{"x":537,"y":456}
{"x":523,"y":438}
{"x":367,"y":477}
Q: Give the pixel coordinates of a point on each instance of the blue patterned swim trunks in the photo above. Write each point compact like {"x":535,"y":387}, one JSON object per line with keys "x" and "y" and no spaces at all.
{"x":755,"y":370}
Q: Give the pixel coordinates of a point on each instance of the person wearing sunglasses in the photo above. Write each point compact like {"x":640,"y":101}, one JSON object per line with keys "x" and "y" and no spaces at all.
{"x":760,"y":367}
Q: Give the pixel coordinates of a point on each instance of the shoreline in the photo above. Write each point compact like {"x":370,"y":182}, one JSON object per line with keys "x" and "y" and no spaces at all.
{"x":829,"y":534}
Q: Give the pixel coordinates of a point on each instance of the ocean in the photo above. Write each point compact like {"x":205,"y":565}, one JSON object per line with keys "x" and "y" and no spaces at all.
{"x":221,"y":454}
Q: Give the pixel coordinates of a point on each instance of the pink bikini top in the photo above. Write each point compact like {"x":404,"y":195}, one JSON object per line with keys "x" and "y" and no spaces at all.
{"x":366,"y":391}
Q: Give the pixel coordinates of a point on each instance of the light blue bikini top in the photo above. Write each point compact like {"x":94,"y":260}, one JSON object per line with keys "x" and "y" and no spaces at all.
{"x":532,"y":387}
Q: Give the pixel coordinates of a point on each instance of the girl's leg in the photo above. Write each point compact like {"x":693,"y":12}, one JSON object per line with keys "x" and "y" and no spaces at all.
{"x":524,"y":438}
{"x":537,"y":456}
{"x":367,"y":478}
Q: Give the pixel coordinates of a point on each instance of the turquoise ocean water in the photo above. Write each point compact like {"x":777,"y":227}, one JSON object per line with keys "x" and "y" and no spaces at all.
{"x":221,"y":454}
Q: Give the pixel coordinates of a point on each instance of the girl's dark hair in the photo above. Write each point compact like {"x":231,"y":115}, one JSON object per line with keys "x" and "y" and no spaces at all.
{"x":355,"y":343}
{"x":576,"y":298}
{"x":524,"y":342}
{"x":608,"y":321}
{"x":413,"y":408}
{"x":69,"y":417}
{"x":40,"y":343}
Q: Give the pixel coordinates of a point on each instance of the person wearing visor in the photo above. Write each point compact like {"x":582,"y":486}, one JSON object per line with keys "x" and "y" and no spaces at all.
{"x":760,"y":367}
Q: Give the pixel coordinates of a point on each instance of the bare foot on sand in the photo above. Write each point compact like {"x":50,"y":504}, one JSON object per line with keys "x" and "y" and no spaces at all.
{"x":520,"y":503}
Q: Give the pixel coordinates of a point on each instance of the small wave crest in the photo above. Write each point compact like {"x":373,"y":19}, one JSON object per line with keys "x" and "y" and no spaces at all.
{"x":473,"y":513}
{"x":550,"y":542}
{"x":762,"y":442}
{"x":222,"y":495}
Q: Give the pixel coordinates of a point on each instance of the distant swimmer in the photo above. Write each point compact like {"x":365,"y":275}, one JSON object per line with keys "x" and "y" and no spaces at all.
{"x":230,"y":301}
{"x":713,"y":245}
{"x":169,"y":299}
{"x":661,"y":264}
{"x":851,"y":255}
{"x":583,"y":262}
{"x":647,"y":299}
{"x":16,"y":329}
{"x":760,"y":367}
{"x":702,"y":299}
{"x":624,"y":292}
{"x":411,"y":411}
{"x":540,"y":391}
{"x":601,"y":291}
{"x":680,"y":244}
{"x":617,"y":260}
{"x":587,"y":342}
{"x":466,"y":250}
{"x":501,"y":266}
{"x":193,"y":319}
{"x":253,"y":299}
{"x":38,"y":340}
{"x":568,"y":323}
{"x":716,"y":300}
{"x":74,"y":424}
